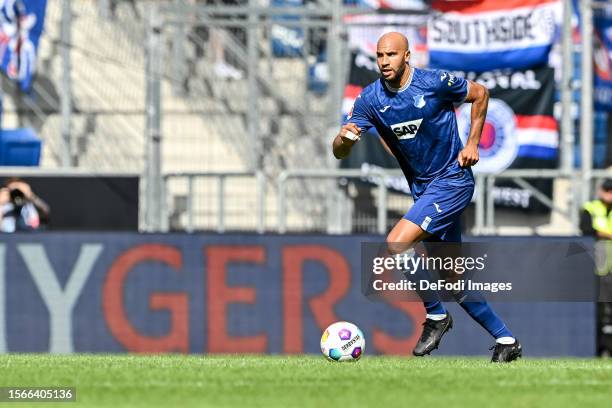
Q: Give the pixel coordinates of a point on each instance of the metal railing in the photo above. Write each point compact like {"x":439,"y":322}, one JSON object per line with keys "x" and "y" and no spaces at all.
{"x":483,"y":197}
{"x":484,"y":200}
{"x":221,"y":178}
{"x":378,"y":174}
{"x":22,"y":171}
{"x":485,"y":203}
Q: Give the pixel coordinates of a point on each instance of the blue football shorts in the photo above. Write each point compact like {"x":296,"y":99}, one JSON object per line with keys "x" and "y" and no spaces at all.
{"x":438,"y":204}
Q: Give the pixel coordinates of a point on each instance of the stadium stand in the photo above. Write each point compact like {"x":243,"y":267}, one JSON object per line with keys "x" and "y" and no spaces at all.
{"x":203,"y":129}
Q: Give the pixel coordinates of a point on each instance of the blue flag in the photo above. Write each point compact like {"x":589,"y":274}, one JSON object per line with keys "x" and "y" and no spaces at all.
{"x":602,"y":58}
{"x":21,"y":25}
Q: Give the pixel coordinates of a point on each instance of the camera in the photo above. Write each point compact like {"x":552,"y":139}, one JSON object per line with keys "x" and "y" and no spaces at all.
{"x":17,"y":197}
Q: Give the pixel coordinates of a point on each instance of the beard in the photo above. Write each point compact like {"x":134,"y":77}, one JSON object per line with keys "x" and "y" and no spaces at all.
{"x":396,"y":74}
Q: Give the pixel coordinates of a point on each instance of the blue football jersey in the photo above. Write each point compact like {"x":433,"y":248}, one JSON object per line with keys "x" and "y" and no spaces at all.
{"x":417,"y":121}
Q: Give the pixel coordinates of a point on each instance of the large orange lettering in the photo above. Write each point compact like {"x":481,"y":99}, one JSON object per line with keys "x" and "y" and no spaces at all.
{"x":392,"y":345}
{"x":219,"y":295}
{"x":113,"y":306}
{"x":322,"y":306}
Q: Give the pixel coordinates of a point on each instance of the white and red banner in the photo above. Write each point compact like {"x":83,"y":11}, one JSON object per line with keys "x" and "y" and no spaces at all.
{"x":492,"y":34}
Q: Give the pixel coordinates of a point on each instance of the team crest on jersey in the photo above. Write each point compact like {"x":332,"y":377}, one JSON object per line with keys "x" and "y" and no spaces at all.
{"x":419,"y":101}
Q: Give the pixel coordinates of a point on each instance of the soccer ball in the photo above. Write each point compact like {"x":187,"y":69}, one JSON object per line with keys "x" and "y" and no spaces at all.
{"x":342,"y":341}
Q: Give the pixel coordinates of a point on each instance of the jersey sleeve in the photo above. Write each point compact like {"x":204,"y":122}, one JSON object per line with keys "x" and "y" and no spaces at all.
{"x":452,"y":88}
{"x":359,"y":115}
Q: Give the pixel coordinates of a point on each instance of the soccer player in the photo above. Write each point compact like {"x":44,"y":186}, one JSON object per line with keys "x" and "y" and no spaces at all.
{"x":412,"y":111}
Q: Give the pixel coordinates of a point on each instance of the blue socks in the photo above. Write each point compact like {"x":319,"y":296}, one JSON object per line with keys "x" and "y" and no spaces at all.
{"x":432,"y":301}
{"x":477,"y":307}
{"x":435,"y":307}
{"x":471,"y":301}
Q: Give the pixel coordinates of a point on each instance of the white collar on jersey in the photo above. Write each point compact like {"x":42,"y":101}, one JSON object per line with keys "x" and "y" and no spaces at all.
{"x":405,"y":86}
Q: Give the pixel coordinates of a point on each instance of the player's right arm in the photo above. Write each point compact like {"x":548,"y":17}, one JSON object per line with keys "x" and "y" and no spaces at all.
{"x":357,"y":122}
{"x":344,"y":140}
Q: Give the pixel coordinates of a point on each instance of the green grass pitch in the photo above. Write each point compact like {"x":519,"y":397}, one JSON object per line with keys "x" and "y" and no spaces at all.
{"x":280,"y":381}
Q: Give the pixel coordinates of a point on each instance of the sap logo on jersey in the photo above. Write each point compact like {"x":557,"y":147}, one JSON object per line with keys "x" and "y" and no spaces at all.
{"x":406,"y":130}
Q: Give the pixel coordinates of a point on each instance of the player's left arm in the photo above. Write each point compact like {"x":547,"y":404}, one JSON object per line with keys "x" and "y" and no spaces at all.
{"x":478,"y":96}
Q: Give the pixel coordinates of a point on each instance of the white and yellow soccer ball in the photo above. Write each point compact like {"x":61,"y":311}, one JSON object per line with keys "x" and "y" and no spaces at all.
{"x":343,"y":341}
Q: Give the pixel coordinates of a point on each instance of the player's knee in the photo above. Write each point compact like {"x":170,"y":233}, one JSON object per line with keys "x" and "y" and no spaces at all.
{"x":396,"y":248}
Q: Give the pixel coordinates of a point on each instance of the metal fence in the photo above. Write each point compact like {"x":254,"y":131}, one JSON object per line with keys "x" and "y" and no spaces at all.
{"x":337,"y":213}
{"x":226,"y":212}
{"x":240,"y":101}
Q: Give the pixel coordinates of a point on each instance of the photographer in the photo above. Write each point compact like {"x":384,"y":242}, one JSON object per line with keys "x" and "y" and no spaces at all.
{"x":20,"y":208}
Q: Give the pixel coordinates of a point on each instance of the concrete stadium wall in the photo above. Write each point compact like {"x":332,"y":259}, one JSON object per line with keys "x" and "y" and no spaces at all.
{"x":128,"y":292}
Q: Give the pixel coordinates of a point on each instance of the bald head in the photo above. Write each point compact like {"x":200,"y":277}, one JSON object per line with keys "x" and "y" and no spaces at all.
{"x":395,"y":40}
{"x":392,"y":56}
